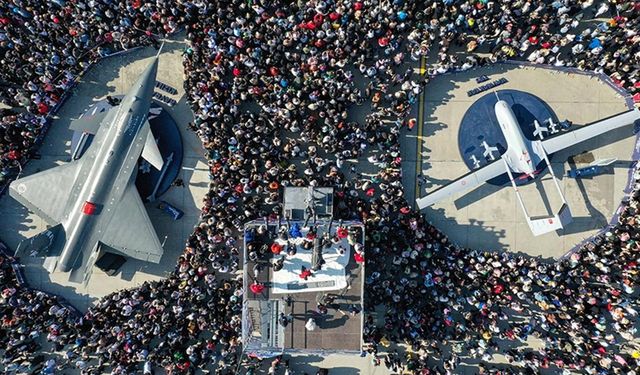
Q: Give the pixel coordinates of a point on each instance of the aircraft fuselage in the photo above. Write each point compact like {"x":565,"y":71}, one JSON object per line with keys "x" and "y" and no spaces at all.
{"x":519,"y":155}
{"x":113,"y":158}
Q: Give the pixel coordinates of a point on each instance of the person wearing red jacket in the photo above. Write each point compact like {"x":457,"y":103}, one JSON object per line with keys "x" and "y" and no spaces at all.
{"x":305,"y":273}
{"x":257,"y":287}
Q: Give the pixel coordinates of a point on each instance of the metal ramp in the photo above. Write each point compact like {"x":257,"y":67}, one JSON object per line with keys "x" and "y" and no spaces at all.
{"x":275,"y":338}
{"x":266,"y":332}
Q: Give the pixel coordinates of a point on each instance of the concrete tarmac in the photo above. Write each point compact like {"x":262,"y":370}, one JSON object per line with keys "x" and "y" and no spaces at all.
{"x":487,"y":218}
{"x":490,"y":217}
{"x":114,"y":75}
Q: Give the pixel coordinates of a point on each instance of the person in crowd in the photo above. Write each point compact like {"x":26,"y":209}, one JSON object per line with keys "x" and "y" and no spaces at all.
{"x":311,"y":325}
{"x":305,"y":273}
{"x":272,"y":83}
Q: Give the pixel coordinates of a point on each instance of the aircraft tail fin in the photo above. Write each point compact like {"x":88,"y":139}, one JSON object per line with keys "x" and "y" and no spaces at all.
{"x":150,"y":152}
{"x":542,"y":225}
{"x":47,"y":244}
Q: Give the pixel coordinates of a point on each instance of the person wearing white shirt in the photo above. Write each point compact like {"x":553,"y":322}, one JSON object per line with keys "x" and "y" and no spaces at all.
{"x":311,"y":325}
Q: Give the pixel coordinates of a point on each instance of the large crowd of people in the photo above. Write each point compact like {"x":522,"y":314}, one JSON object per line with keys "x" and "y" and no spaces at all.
{"x":45,"y":45}
{"x":276,"y":89}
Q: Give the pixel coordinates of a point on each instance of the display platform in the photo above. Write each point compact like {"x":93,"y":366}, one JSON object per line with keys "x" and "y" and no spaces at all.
{"x":479,"y":124}
{"x":151,"y":183}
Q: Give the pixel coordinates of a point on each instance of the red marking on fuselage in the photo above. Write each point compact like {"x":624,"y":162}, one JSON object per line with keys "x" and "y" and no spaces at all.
{"x":89,"y":208}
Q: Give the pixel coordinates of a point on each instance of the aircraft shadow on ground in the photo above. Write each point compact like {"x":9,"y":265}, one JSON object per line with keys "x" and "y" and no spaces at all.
{"x":437,"y":95}
{"x":594,"y":220}
{"x":543,"y":195}
{"x":164,"y":268}
{"x":81,"y":301}
{"x":485,"y":236}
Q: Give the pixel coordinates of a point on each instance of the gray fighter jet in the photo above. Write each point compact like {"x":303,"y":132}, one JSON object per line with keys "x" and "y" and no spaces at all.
{"x":92,"y":202}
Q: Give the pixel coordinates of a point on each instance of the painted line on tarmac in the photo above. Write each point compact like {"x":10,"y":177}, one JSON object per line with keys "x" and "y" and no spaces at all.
{"x":417,"y":192}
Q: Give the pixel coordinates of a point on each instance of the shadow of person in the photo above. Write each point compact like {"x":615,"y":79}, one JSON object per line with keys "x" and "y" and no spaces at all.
{"x":333,"y":323}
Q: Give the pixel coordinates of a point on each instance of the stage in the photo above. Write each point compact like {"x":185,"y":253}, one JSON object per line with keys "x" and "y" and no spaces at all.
{"x":340,"y":280}
{"x":332,"y":276}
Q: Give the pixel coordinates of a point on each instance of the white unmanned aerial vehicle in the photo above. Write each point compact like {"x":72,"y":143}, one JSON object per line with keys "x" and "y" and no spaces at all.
{"x":522,"y":156}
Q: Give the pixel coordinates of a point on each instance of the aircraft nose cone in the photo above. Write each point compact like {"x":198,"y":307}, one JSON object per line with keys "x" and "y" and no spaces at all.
{"x":152,"y":70}
{"x":146,"y":82}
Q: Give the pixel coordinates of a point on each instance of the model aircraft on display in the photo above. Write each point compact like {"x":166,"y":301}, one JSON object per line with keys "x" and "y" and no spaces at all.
{"x":553,"y":126}
{"x":523,"y":155}
{"x":537,"y":132}
{"x":93,"y":202}
{"x":489,"y":150}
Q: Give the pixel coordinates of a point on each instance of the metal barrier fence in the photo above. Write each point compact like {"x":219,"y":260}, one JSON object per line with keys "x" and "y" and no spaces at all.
{"x":571,"y":70}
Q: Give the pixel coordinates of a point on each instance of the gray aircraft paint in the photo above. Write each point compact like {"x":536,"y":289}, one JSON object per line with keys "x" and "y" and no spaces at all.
{"x":105,"y":178}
